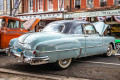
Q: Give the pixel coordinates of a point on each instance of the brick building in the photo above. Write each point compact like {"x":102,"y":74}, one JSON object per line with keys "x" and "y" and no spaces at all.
{"x":92,"y":10}
{"x":5,"y":7}
{"x":40,"y":7}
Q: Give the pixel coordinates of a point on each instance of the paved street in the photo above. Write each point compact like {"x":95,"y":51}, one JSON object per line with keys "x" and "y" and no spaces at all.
{"x":94,"y":67}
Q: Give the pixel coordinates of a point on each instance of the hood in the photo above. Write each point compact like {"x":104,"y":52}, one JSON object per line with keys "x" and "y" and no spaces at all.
{"x":38,"y":37}
{"x":100,"y":27}
{"x":31,"y":23}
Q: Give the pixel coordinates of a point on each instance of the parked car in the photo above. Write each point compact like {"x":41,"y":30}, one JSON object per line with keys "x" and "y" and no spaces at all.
{"x":62,"y":41}
{"x":11,"y":27}
{"x":117,"y":43}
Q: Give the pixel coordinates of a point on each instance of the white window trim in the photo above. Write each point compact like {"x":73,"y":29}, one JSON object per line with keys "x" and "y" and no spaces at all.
{"x":2,"y":5}
{"x":30,"y":11}
{"x":59,"y":7}
{"x":40,"y":10}
{"x":48,"y":6}
{"x":7,"y":5}
{"x":74,"y":3}
{"x":86,"y":4}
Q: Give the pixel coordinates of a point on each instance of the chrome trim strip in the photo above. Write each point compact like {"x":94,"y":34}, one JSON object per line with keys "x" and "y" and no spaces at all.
{"x":72,"y":49}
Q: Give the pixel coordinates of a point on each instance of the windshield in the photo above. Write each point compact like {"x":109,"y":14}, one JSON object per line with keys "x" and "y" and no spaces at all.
{"x":54,"y":28}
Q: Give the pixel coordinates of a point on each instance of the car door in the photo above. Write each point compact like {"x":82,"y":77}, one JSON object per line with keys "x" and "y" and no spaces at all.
{"x":13,"y":30}
{"x":79,"y":35}
{"x":93,"y":41}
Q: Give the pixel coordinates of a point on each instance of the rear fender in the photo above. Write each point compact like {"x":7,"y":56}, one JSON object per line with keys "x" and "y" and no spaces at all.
{"x":59,"y":49}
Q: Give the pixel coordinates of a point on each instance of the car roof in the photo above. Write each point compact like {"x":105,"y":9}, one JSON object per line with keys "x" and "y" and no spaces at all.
{"x":70,"y":21}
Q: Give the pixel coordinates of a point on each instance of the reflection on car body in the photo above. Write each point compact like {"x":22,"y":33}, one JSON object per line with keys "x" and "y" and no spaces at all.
{"x":61,"y":41}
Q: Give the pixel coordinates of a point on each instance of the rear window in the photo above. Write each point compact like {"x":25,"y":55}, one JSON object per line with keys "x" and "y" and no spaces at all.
{"x":13,"y":24}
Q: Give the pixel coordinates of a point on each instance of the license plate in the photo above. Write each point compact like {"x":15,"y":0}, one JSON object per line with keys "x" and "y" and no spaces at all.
{"x":19,"y":50}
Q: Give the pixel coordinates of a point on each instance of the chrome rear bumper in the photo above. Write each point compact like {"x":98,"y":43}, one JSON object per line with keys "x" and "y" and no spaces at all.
{"x":30,"y":60}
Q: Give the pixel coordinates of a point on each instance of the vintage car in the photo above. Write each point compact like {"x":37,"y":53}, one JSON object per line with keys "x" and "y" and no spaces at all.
{"x":62,"y":41}
{"x":11,"y":27}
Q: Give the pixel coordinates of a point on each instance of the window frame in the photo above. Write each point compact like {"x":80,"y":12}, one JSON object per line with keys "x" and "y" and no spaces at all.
{"x":87,"y":4}
{"x":85,"y":31}
{"x":16,"y":24}
{"x":40,"y":5}
{"x":60,"y":6}
{"x":74,"y":4}
{"x":29,"y":9}
{"x":2,"y":6}
{"x":8,"y":4}
{"x":48,"y":6}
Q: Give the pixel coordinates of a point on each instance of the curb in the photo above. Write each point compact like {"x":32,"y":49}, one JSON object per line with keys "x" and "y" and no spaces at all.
{"x":47,"y":77}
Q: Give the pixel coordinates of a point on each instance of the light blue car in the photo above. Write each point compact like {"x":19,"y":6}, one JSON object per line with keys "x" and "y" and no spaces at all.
{"x":62,"y":41}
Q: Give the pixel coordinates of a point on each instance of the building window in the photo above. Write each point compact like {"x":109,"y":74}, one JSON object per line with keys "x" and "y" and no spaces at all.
{"x":103,"y":3}
{"x":1,"y":4}
{"x":15,"y":1}
{"x":30,"y":5}
{"x":89,"y":3}
{"x":50,"y":5}
{"x":40,"y":5}
{"x":61,"y":4}
{"x":117,"y":2}
{"x":77,"y":3}
{"x":8,"y":4}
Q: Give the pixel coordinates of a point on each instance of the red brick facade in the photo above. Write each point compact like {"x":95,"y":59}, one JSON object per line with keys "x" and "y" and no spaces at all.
{"x":67,"y":5}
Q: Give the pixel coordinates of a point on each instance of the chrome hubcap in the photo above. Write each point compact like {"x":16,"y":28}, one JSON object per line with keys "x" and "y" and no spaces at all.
{"x":109,"y":51}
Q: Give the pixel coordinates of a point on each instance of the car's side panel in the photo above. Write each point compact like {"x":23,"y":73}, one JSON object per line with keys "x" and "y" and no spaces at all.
{"x":107,"y":41}
{"x":59,"y":49}
{"x":93,"y":44}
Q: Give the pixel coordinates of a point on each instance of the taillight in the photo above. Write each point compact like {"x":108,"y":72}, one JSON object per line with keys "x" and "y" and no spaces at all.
{"x":34,"y":52}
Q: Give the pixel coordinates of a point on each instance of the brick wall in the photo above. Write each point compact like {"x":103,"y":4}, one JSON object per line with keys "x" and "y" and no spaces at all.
{"x":110,"y":2}
{"x":96,"y":3}
{"x":83,"y":4}
{"x":66,"y":5}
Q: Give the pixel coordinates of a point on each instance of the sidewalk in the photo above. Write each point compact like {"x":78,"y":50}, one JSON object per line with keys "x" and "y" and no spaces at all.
{"x":7,"y":74}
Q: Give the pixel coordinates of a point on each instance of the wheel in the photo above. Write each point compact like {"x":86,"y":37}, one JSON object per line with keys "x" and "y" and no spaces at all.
{"x":63,"y":64}
{"x":109,"y":51}
{"x":117,"y":45}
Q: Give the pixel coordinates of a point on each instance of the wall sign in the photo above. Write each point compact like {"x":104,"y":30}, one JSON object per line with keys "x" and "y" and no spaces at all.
{"x":73,"y":15}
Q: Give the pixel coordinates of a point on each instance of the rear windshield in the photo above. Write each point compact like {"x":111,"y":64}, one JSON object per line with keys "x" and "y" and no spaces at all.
{"x":54,"y":28}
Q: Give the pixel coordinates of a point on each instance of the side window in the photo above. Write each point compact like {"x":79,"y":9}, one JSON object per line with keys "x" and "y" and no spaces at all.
{"x":13,"y":24}
{"x":78,"y":29}
{"x":89,"y":29}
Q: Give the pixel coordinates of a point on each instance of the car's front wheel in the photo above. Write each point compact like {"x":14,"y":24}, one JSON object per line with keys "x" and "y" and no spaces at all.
{"x":109,"y":51}
{"x":63,"y":64}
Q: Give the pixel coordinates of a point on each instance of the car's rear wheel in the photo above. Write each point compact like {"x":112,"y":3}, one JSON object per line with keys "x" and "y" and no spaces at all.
{"x":63,"y":64}
{"x":109,"y":51}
